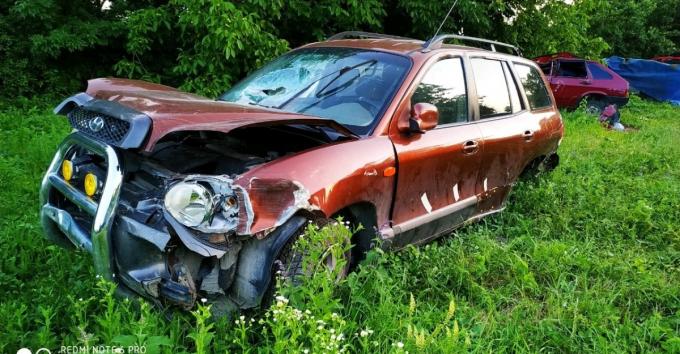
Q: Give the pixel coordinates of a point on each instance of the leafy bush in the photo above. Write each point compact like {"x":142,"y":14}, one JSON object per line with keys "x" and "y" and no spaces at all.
{"x":54,"y":46}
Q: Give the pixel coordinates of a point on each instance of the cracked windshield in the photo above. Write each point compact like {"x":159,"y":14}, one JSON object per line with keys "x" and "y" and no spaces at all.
{"x":349,"y":86}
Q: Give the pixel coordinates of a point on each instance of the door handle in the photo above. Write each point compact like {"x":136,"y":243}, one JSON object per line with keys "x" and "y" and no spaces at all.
{"x":586,"y":82}
{"x":528,"y":135}
{"x":470,"y":147}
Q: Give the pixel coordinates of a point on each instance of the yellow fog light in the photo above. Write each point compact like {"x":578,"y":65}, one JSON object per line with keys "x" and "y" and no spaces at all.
{"x":90,"y":184}
{"x":67,"y":170}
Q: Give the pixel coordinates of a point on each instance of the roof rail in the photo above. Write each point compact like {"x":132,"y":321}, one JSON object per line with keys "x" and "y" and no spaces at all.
{"x":360,"y":34}
{"x":437,"y":41}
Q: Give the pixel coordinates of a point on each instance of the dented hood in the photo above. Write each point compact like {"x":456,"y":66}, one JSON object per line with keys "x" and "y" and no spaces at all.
{"x":172,"y":110}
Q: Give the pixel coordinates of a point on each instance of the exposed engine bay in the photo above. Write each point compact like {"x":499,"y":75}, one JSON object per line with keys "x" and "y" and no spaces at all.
{"x":175,"y":236}
{"x":234,"y":153}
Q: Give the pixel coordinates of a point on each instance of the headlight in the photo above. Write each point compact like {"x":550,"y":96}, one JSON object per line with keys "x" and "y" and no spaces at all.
{"x":189,"y":203}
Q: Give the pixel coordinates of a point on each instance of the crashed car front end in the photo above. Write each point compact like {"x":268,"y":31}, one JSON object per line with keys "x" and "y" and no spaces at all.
{"x":155,"y":224}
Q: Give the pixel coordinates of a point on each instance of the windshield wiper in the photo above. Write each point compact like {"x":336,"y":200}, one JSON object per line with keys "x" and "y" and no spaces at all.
{"x":321,"y":94}
{"x":259,"y":105}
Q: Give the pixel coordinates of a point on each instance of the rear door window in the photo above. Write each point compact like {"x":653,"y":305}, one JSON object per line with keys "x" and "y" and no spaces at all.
{"x":598,"y":72}
{"x":534,"y":87}
{"x":444,"y":86}
{"x":572,"y":69}
{"x":492,"y":89}
{"x":512,"y":86}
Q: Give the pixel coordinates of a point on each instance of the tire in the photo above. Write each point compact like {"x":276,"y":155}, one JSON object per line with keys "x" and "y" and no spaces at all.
{"x":288,"y":265}
{"x":594,"y":105}
{"x":540,"y":166}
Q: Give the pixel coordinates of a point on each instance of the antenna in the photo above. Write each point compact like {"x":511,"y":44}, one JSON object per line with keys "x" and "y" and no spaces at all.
{"x":445,"y":17}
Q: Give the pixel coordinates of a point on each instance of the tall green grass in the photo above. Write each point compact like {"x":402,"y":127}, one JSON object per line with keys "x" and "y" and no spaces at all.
{"x":584,"y":259}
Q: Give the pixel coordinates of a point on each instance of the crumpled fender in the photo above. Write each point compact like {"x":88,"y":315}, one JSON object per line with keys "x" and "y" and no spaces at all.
{"x":321,"y":181}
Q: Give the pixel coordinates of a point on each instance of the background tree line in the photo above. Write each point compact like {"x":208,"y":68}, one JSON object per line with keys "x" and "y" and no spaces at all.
{"x":54,"y":46}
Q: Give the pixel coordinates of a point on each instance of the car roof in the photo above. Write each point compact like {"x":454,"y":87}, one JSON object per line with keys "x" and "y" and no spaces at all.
{"x":414,"y":48}
{"x":407,"y":47}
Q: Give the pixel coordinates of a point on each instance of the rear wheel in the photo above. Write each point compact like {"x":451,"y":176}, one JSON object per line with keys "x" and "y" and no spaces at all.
{"x":540,"y":165}
{"x":594,"y":105}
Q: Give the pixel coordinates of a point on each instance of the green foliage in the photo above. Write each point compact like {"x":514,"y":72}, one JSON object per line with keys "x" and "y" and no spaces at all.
{"x":561,"y":27}
{"x":205,"y":46}
{"x":216,"y":43}
{"x":47,"y":45}
{"x":584,"y":259}
{"x":637,"y":28}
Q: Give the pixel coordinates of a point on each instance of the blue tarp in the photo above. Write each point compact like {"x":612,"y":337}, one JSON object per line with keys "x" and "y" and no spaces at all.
{"x":655,"y":79}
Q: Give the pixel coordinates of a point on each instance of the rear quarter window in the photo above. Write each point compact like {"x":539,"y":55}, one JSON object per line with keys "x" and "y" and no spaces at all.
{"x":598,"y":72}
{"x":534,"y":87}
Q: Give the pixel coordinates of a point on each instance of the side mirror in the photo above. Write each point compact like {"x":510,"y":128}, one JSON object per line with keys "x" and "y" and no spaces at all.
{"x":424,"y":117}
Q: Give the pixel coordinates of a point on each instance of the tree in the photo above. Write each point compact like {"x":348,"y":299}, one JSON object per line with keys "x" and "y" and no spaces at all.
{"x":637,"y":28}
{"x":205,"y":46}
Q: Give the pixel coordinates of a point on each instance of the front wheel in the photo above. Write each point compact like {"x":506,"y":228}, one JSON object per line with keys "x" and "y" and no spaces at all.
{"x":305,"y":254}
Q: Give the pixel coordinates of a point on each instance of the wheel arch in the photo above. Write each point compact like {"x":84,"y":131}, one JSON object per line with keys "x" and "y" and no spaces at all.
{"x":362,"y":213}
{"x":594,"y":94}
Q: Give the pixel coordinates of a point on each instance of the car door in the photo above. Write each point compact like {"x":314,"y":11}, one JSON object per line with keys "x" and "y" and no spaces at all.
{"x":506,"y":129}
{"x":437,"y":170}
{"x":544,"y":120}
{"x":569,"y":82}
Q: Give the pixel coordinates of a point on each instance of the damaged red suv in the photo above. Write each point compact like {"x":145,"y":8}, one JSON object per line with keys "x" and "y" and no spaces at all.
{"x":179,"y":197}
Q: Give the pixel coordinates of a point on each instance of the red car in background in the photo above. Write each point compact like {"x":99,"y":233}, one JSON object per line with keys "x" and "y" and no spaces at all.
{"x":574,"y":80}
{"x":668,"y":59}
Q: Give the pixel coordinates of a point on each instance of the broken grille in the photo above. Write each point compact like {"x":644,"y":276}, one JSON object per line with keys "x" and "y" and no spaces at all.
{"x":99,"y":126}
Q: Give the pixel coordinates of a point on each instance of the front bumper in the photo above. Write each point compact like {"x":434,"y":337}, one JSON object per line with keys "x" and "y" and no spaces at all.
{"x":142,"y":272}
{"x":153,"y":263}
{"x":59,"y":223}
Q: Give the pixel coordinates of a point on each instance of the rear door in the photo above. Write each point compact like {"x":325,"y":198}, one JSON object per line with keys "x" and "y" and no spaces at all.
{"x":506,"y":129}
{"x":544,"y":120}
{"x":570,"y":81}
{"x":437,"y":170}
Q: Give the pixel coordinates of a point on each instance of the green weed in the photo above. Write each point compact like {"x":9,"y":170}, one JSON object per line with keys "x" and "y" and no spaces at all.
{"x":584,"y":259}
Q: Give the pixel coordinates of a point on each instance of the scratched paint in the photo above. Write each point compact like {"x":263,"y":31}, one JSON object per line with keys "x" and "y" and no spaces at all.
{"x":456,"y":193}
{"x":426,"y":203}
